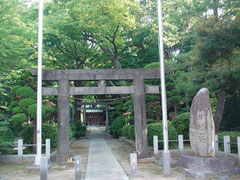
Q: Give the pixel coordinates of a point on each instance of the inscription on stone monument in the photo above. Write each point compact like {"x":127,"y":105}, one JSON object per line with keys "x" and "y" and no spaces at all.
{"x":202,"y":129}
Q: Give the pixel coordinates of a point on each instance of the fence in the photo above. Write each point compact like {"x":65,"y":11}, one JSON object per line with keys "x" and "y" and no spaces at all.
{"x":47,"y":145}
{"x":226,"y":142}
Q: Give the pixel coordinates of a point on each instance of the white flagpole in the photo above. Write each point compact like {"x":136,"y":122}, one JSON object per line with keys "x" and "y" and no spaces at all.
{"x":39,"y":85}
{"x":166,"y":153}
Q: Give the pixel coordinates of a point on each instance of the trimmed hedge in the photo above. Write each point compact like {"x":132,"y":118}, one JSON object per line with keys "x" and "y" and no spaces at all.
{"x":126,"y":131}
{"x":80,"y":129}
{"x":233,"y":139}
{"x":6,"y":138}
{"x":132,"y":132}
{"x":116,"y":126}
{"x":17,"y":121}
{"x":181,"y":123}
{"x":156,"y":129}
{"x":48,"y":132}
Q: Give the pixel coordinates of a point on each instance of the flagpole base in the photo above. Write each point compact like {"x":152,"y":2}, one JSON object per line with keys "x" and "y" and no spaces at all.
{"x":166,"y":162}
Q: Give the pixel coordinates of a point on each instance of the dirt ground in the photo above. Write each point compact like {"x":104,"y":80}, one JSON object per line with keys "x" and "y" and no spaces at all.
{"x":121,"y":150}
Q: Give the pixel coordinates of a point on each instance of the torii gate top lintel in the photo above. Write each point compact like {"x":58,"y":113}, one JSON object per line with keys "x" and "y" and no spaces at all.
{"x":98,"y":74}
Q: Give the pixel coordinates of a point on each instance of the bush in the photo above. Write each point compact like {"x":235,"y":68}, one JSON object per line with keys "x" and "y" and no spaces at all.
{"x":6,"y":138}
{"x":156,"y":129}
{"x":17,"y":121}
{"x":48,"y":132}
{"x":80,"y":129}
{"x":25,"y":92}
{"x":32,"y":111}
{"x":116,"y":126}
{"x":233,"y":139}
{"x":149,"y":121}
{"x":17,"y":110}
{"x":25,"y":103}
{"x":181,"y":123}
{"x":126,"y":131}
{"x":231,"y":115}
{"x":132,"y":132}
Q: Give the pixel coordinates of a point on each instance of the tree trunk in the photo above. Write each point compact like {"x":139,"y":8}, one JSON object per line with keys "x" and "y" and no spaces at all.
{"x":215,"y":8}
{"x":219,"y":110}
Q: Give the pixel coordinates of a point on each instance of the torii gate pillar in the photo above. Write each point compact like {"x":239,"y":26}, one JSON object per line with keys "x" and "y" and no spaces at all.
{"x":63,"y":152}
{"x":140,"y":119}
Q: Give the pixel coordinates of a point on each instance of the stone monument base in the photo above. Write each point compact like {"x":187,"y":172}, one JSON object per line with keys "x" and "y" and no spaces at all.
{"x":200,"y":167}
{"x":62,"y":158}
{"x":35,"y":169}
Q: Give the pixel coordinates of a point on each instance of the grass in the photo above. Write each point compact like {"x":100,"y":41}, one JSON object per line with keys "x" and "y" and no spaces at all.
{"x":9,"y":168}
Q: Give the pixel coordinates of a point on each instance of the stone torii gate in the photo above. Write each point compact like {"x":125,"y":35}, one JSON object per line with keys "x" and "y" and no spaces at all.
{"x":63,"y":91}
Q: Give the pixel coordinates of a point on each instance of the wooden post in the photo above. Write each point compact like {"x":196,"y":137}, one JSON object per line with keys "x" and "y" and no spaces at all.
{"x":20,"y":147}
{"x":180,"y":142}
{"x":133,"y":164}
{"x":227,"y":147}
{"x":155,"y":145}
{"x":78,"y":167}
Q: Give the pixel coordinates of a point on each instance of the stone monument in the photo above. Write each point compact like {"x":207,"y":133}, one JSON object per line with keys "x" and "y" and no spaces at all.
{"x":202,"y":129}
{"x":203,"y":163}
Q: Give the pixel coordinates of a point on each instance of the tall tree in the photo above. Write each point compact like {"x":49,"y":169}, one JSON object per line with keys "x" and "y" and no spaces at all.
{"x":218,"y":61}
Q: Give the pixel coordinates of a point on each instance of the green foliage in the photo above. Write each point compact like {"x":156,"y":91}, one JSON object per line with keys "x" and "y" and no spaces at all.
{"x":50,"y":112}
{"x":12,"y":105}
{"x":153,"y":65}
{"x":17,"y":110}
{"x":149,"y":121}
{"x":233,"y":139}
{"x":32,"y":110}
{"x":48,"y":132}
{"x":25,"y":103}
{"x":79,"y":130}
{"x":155,"y":129}
{"x":181,"y":123}
{"x":25,"y":92}
{"x":132,"y":132}
{"x":6,"y":137}
{"x":231,"y":115}
{"x":116,"y":126}
{"x":17,"y":121}
{"x":126,"y":131}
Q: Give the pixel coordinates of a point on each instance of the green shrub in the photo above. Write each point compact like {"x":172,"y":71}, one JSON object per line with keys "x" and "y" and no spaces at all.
{"x":25,"y":92}
{"x":17,"y":121}
{"x":25,"y":103}
{"x":126,"y":131}
{"x":12,"y":105}
{"x":149,"y":121}
{"x":231,"y":115}
{"x":80,"y":129}
{"x":152,"y":65}
{"x":156,"y":129}
{"x":116,"y":126}
{"x":32,"y":111}
{"x":6,"y":138}
{"x":14,"y":89}
{"x":50,"y":112}
{"x":17,"y":110}
{"x":233,"y":139}
{"x":181,"y":123}
{"x":132,"y":132}
{"x":48,"y":132}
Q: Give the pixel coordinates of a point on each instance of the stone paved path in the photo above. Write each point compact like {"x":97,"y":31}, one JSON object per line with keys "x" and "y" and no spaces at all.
{"x":102,"y":165}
